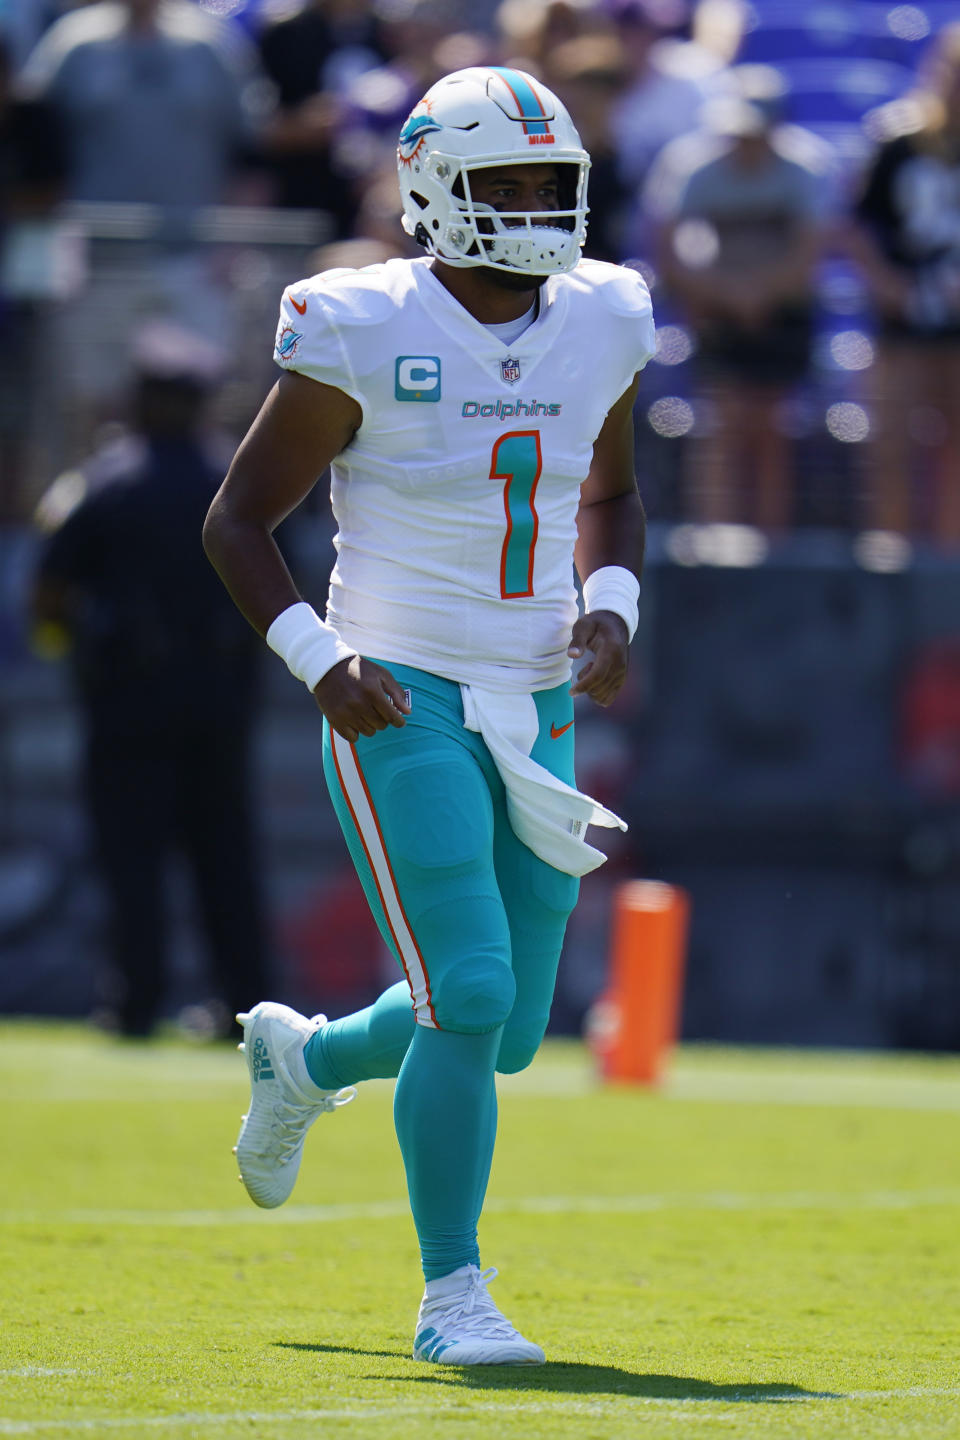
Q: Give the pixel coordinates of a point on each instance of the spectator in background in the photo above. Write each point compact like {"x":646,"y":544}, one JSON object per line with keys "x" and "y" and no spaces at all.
{"x":906,"y":237}
{"x":421,"y":39}
{"x":379,"y":214}
{"x":662,"y":77}
{"x":160,"y":102}
{"x":739,"y":224}
{"x":589,"y":74}
{"x":348,"y":75}
{"x":313,"y":56}
{"x":164,"y":669}
{"x":716,"y":34}
{"x":530,"y":31}
{"x":670,"y":79}
{"x":32,"y":171}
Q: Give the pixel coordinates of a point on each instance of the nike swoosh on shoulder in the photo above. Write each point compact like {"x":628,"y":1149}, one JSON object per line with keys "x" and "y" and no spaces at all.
{"x":555,"y":733}
{"x":301,"y":309}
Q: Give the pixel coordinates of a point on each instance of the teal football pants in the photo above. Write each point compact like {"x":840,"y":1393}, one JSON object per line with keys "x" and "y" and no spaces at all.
{"x":476,"y":922}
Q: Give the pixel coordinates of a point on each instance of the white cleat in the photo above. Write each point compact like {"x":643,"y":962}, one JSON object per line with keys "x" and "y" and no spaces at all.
{"x":270,"y":1144}
{"x":459,"y":1324}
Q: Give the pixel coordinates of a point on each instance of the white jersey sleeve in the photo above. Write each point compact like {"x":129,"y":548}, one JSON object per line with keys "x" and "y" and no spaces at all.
{"x":627,"y":322}
{"x":310,"y":339}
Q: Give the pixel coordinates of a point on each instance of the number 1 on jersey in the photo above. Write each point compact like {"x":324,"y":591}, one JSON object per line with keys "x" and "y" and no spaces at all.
{"x":517,"y":461}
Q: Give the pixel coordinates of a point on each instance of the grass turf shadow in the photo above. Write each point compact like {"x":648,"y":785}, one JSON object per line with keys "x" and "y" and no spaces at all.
{"x":564,"y":1377}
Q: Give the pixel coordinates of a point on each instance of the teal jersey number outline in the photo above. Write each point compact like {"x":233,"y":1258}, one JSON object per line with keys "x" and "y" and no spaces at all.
{"x":518,"y":461}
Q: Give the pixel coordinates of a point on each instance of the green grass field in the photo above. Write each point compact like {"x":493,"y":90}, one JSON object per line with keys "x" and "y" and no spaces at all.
{"x":768,"y":1246}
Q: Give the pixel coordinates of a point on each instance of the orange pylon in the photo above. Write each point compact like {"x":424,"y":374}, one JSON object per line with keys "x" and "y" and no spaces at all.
{"x":635,"y":1023}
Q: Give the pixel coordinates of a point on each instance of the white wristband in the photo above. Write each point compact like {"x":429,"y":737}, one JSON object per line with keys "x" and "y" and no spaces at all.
{"x":613,"y":588}
{"x":308,"y":645}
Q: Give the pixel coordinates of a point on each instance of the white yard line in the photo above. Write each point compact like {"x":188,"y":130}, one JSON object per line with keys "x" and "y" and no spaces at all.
{"x":830,"y":1089}
{"x":705,"y":1407}
{"x":521,"y":1205}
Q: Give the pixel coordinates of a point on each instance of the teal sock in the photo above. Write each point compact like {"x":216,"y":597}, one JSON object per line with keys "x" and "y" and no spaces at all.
{"x":445,"y":1111}
{"x":369,"y":1045}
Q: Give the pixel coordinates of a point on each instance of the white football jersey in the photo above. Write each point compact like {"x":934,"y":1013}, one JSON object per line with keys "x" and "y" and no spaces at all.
{"x":456,"y":499}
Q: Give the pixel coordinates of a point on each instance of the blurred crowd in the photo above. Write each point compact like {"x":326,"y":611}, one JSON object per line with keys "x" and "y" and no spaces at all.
{"x":786,"y":176}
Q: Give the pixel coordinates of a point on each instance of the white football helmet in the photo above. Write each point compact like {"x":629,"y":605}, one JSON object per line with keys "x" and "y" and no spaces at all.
{"x":473,"y":119}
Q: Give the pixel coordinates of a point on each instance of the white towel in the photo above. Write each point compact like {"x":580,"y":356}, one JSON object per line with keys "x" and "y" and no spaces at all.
{"x":549,"y":816}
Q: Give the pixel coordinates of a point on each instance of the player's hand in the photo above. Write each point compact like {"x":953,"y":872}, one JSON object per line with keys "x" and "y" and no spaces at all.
{"x":604,"y":635}
{"x":359,"y":697}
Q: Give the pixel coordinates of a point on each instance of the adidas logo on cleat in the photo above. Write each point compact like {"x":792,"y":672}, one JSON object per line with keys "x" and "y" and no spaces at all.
{"x":262,"y":1065}
{"x":431,"y":1345}
{"x":270,"y":1143}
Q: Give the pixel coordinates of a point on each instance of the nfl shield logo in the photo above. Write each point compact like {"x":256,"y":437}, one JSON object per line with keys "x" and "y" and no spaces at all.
{"x":510,"y":370}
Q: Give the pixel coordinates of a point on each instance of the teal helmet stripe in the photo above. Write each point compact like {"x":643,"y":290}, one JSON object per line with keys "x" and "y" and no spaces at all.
{"x":528,"y":102}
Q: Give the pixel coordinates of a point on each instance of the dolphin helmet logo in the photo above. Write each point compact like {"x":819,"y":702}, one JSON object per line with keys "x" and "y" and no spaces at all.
{"x":413,"y":134}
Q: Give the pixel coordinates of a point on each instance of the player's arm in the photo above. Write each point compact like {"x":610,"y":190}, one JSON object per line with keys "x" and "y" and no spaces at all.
{"x":301,"y":427}
{"x":611,"y":531}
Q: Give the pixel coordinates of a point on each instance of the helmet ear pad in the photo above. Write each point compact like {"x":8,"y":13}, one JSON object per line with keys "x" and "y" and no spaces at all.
{"x":458,"y":193}
{"x":436,"y":221}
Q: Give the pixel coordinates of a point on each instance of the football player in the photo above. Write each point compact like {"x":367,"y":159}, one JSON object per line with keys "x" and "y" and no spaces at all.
{"x":475,"y":409}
